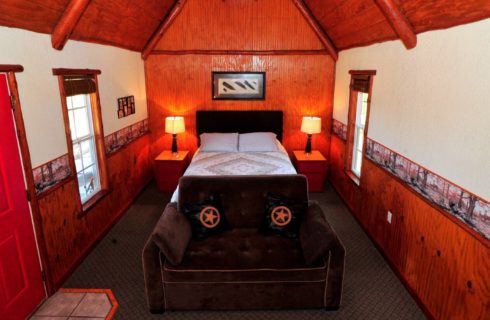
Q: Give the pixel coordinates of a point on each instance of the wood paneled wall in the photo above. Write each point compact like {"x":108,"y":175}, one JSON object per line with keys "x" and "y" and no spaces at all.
{"x":68,"y":237}
{"x":444,"y":265}
{"x":239,"y":25}
{"x":297,"y":84}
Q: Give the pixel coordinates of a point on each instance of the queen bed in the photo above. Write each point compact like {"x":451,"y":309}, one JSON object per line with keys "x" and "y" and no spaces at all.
{"x":258,"y":145}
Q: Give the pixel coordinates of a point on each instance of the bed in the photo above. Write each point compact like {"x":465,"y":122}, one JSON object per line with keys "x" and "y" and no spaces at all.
{"x":239,"y":163}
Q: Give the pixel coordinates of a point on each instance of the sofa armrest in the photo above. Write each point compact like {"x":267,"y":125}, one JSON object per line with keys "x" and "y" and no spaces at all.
{"x":319,"y":240}
{"x":168,"y":241}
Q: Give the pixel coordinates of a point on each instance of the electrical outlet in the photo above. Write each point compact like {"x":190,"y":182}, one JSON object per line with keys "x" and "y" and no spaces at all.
{"x":389,"y":216}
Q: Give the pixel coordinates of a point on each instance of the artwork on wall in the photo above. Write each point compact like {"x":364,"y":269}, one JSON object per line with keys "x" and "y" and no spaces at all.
{"x":238,"y":85}
{"x":125,"y":106}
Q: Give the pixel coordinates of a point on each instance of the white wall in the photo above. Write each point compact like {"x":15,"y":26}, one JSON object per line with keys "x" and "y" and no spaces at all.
{"x":431,"y":103}
{"x":122,"y":75}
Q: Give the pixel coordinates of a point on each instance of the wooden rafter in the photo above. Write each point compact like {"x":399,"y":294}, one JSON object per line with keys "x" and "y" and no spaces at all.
{"x":68,"y":22}
{"x":241,"y":52}
{"x":162,"y":28}
{"x":324,"y":39}
{"x":399,"y":22}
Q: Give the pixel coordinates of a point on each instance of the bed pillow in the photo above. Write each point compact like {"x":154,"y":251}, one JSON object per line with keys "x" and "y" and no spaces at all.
{"x":206,"y":217}
{"x":257,"y":142}
{"x":282,"y":215}
{"x":219,"y":142}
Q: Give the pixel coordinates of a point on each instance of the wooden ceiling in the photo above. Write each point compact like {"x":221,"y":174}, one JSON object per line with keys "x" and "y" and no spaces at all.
{"x":138,"y":25}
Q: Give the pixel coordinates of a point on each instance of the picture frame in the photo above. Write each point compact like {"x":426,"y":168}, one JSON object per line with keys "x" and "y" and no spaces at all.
{"x":125,"y":106}
{"x":238,"y":85}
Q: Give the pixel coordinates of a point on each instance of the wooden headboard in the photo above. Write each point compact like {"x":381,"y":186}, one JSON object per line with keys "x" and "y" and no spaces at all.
{"x":239,"y":121}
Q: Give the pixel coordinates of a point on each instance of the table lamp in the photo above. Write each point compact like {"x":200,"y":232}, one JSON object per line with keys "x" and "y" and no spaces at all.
{"x":310,"y":125}
{"x":174,"y":125}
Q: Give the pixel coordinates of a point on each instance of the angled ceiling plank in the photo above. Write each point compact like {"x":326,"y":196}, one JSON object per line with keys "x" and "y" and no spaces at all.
{"x":399,"y":22}
{"x":68,"y":22}
{"x":324,"y":39}
{"x":158,"y":34}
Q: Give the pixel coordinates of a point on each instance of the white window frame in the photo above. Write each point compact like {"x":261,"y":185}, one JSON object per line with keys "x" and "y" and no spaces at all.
{"x":86,"y":190}
{"x":360,"y":126}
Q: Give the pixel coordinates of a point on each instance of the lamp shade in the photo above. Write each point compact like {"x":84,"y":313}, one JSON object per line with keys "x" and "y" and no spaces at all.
{"x":311,"y":125}
{"x":174,"y":125}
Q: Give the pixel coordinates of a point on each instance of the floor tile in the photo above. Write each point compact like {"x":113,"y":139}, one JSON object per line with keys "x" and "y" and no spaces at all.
{"x":47,"y":318}
{"x":85,"y":318}
{"x":93,"y":305}
{"x":60,"y":304}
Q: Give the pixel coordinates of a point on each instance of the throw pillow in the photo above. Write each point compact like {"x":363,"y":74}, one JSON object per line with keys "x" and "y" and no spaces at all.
{"x":206,"y":217}
{"x":257,"y":142}
{"x":282,"y":215}
{"x":219,"y":142}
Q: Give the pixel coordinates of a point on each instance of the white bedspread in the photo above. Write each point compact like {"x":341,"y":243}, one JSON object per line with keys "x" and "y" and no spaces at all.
{"x":238,"y":163}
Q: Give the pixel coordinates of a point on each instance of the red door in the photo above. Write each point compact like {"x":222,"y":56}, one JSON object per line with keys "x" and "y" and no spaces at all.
{"x":21,"y":286}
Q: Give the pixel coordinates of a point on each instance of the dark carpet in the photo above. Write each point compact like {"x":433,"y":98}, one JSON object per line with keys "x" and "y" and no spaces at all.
{"x":371,"y":289}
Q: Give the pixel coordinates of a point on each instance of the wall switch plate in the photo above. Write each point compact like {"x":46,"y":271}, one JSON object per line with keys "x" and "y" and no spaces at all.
{"x":389,"y":216}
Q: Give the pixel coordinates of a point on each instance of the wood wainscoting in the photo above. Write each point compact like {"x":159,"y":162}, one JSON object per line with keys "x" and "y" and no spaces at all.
{"x":70,"y":238}
{"x":445,"y":266}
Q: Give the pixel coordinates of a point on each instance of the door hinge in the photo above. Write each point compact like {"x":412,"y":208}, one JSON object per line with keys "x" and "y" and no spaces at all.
{"x":28,"y":195}
{"x":12,"y":102}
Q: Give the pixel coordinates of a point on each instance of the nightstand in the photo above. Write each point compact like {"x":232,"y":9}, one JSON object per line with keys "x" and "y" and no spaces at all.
{"x":313,"y":166}
{"x":169,"y":168}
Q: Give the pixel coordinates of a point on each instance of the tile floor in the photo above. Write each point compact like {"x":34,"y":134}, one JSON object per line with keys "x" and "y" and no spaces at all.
{"x":77,"y":304}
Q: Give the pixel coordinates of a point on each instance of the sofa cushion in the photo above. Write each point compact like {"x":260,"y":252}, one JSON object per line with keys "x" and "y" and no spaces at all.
{"x":206,"y":217}
{"x":244,"y":255}
{"x":282,"y":215}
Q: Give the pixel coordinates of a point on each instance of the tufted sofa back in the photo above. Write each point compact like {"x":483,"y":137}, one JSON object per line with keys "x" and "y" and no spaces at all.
{"x":243,"y":197}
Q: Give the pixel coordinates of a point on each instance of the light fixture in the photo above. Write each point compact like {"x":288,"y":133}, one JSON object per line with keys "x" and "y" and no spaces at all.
{"x":174,"y":125}
{"x":310,"y":125}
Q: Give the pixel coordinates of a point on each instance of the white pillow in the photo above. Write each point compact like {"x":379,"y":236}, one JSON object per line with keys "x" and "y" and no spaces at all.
{"x":257,"y":142}
{"x":219,"y":142}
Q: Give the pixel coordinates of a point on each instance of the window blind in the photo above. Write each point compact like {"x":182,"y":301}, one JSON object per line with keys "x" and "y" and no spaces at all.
{"x":360,"y":82}
{"x":75,"y":85}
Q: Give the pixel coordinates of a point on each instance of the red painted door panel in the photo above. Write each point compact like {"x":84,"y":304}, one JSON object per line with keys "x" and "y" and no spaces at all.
{"x":21,"y":287}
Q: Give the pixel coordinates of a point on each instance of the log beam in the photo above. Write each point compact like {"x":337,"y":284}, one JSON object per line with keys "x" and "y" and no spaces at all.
{"x":166,"y":23}
{"x":68,"y":22}
{"x":398,"y":22}
{"x":241,"y":52}
{"x":324,"y":39}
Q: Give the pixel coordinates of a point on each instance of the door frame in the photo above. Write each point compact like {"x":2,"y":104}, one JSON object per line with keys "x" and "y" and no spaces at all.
{"x":25,"y":156}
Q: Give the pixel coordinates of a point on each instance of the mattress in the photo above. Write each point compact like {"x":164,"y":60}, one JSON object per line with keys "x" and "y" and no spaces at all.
{"x":238,"y":163}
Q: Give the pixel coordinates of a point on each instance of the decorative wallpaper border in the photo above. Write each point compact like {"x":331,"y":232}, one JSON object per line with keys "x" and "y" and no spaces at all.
{"x":339,"y":129}
{"x":51,"y":173}
{"x":48,"y":175}
{"x":120,"y":138}
{"x":458,"y":202}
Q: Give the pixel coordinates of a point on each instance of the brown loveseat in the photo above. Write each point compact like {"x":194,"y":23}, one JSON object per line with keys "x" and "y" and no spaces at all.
{"x":241,"y":268}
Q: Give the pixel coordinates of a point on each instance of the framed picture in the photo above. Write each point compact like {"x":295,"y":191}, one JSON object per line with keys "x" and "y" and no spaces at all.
{"x":125,"y":106}
{"x":238,"y":85}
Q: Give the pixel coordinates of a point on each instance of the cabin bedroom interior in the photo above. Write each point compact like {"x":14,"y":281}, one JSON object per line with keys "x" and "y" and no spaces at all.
{"x":383,"y":105}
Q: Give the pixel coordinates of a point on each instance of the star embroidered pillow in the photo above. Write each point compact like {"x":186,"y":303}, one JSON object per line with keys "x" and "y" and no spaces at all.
{"x":206,"y":217}
{"x":282,"y":215}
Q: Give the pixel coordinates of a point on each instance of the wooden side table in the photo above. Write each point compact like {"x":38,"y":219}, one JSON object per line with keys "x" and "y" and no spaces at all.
{"x":169,"y":168}
{"x":313,"y":166}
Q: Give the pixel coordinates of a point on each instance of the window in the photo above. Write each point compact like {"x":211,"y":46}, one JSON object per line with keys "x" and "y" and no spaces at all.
{"x":360,"y":125}
{"x":360,"y":92}
{"x":83,"y":141}
{"x":81,"y":113}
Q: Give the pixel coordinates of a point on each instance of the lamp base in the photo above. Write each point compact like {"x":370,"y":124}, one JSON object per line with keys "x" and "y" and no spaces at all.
{"x":308,"y":145}
{"x":174,"y":143}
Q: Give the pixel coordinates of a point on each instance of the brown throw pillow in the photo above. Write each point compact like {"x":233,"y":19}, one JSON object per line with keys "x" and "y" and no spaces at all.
{"x":282,"y":215}
{"x":206,"y":217}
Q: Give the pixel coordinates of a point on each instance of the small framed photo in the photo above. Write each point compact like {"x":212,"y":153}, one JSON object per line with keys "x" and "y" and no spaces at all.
{"x":238,"y":85}
{"x":125,"y":106}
